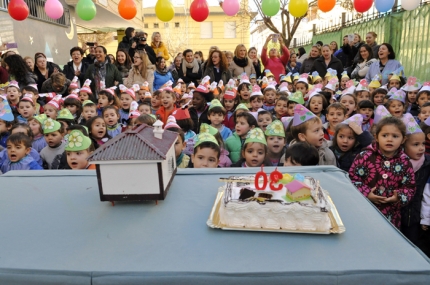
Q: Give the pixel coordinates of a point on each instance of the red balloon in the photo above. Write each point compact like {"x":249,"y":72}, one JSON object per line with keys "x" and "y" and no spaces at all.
{"x":199,"y":10}
{"x":362,"y":6}
{"x":18,"y":10}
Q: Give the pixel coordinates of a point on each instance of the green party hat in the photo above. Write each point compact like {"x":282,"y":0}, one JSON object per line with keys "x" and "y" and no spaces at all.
{"x":297,"y":97}
{"x":50,"y":126}
{"x":241,"y":106}
{"x":275,"y":128}
{"x":204,"y":137}
{"x":153,"y":116}
{"x":256,"y":135}
{"x":205,"y":128}
{"x":77,"y":141}
{"x":215,"y":103}
{"x":86,"y":102}
{"x":41,"y":118}
{"x":65,"y":114}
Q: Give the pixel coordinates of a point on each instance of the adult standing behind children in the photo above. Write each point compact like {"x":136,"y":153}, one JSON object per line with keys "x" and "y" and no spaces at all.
{"x":308,"y":63}
{"x":217,"y":67}
{"x":190,"y":70}
{"x":241,"y":63}
{"x":386,"y":64}
{"x":327,"y":61}
{"x":275,"y":63}
{"x":161,"y":74}
{"x":158,"y":46}
{"x":76,"y":67}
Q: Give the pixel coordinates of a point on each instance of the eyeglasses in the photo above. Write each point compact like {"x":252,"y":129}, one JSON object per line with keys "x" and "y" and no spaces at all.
{"x":136,"y":56}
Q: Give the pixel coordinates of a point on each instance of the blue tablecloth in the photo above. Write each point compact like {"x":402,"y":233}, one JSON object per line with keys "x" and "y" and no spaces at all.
{"x":55,"y":230}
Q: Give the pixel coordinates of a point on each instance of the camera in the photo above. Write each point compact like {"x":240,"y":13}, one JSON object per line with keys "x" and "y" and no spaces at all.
{"x":139,"y":39}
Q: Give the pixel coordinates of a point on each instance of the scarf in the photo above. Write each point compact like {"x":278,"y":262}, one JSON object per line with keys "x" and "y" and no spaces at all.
{"x":194,"y":65}
{"x":163,"y":71}
{"x":241,"y":62}
{"x":99,"y":73}
{"x":416,"y":164}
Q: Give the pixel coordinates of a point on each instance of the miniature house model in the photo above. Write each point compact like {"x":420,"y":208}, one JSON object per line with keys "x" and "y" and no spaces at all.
{"x":136,"y":165}
{"x":297,"y":190}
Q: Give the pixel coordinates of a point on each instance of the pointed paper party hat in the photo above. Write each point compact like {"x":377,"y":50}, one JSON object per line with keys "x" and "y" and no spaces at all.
{"x":147,"y":95}
{"x":205,"y":128}
{"x":244,"y":78}
{"x":255,"y":114}
{"x":191,"y":85}
{"x":399,"y":95}
{"x":74,"y":83}
{"x":230,"y":90}
{"x":56,"y":102}
{"x":315,"y":76}
{"x":221,"y":85}
{"x":375,"y":82}
{"x":241,"y":106}
{"x":350,"y":88}
{"x":41,"y":118}
{"x":297,"y":97}
{"x":77,"y":141}
{"x":204,"y":137}
{"x":357,"y":118}
{"x":65,"y":114}
{"x":213,"y":88}
{"x":303,"y":78}
{"x":330,"y":73}
{"x":380,"y":113}
{"x":86,"y":88}
{"x":286,"y":78}
{"x":427,"y":121}
{"x":171,"y":123}
{"x":255,"y":135}
{"x":253,"y":76}
{"x":412,"y":85}
{"x":27,"y":97}
{"x":181,"y":113}
{"x":86,"y":102}
{"x":362,"y":86}
{"x":332,"y":84}
{"x":275,"y":128}
{"x":296,"y":76}
{"x":133,"y":113}
{"x":301,"y":115}
{"x":315,"y":90}
{"x":215,"y":103}
{"x":345,"y":75}
{"x":396,"y":74}
{"x":411,"y":125}
{"x":50,"y":126}
{"x":271,"y":85}
{"x":6,"y":112}
{"x":72,"y":96}
{"x":286,"y":121}
{"x":264,"y":82}
{"x":144,"y":86}
{"x":204,"y":85}
{"x":283,"y":87}
{"x":177,"y":88}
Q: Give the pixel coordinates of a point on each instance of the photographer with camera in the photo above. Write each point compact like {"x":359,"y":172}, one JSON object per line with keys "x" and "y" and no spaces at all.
{"x":140,"y":39}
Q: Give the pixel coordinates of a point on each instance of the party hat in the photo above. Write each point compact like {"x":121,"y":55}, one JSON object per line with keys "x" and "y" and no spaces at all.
{"x":375,"y":82}
{"x":230,"y":90}
{"x":301,"y":115}
{"x":303,"y":78}
{"x":426,"y":87}
{"x":264,"y":82}
{"x":221,"y":85}
{"x":186,"y":96}
{"x":345,"y":75}
{"x":204,"y":137}
{"x":362,"y":86}
{"x":14,"y":83}
{"x":399,"y":95}
{"x":332,"y":84}
{"x":244,"y":78}
{"x":215,"y":103}
{"x":253,"y":76}
{"x":427,"y":121}
{"x":191,"y":85}
{"x":110,"y":90}
{"x":296,"y":76}
{"x":205,"y":128}
{"x":50,"y":126}
{"x":72,"y":96}
{"x":358,"y":118}
{"x":315,"y":90}
{"x":86,"y":88}
{"x":86,"y":102}
{"x":331,"y":73}
{"x":275,"y":128}
{"x":6,"y":112}
{"x":147,"y":95}
{"x":271,"y":85}
{"x":255,"y":135}
{"x":315,"y":76}
{"x":268,"y":73}
{"x":412,"y":85}
{"x":283,"y":87}
{"x":255,"y":114}
{"x":297,"y":97}
{"x":204,"y":85}
{"x":380,"y":113}
{"x":350,"y":88}
{"x":27,"y":97}
{"x":396,"y":74}
{"x":256,"y":91}
{"x":77,"y":141}
{"x":74,"y":83}
{"x":41,"y":118}
{"x":133,"y":113}
{"x":411,"y":125}
{"x":171,"y":123}
{"x":177,"y":88}
{"x":56,"y":102}
{"x":144,"y":86}
{"x":286,"y":121}
{"x":286,"y":78}
{"x":241,"y":106}
{"x":65,"y":114}
{"x":181,"y":113}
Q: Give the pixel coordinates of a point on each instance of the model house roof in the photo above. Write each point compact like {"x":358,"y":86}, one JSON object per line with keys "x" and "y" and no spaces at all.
{"x":138,"y":144}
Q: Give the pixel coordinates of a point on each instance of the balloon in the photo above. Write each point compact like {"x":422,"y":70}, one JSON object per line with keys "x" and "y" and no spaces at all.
{"x":326,"y":5}
{"x":270,"y":7}
{"x":86,"y":10}
{"x":362,"y":6}
{"x":164,"y":10}
{"x":54,"y":9}
{"x":18,"y":10}
{"x":298,"y":8}
{"x":199,"y":10}
{"x":231,"y":7}
{"x":384,"y":5}
{"x":410,"y":4}
{"x":127,"y":9}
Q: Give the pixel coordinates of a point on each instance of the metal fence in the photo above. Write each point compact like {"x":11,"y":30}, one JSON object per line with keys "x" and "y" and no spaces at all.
{"x":37,"y":12}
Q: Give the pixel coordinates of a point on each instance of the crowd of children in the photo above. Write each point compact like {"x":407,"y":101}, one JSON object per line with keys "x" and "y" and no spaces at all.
{"x":380,"y":135}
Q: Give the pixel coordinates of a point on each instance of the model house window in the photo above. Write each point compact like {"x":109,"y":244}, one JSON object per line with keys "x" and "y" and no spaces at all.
{"x":206,"y":30}
{"x":230,"y":30}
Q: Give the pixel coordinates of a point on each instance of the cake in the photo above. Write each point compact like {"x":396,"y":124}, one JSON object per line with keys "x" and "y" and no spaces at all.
{"x":300,"y":205}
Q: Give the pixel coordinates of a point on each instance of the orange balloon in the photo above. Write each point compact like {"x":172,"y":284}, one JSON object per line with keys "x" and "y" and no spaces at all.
{"x":326,"y":5}
{"x":127,"y":9}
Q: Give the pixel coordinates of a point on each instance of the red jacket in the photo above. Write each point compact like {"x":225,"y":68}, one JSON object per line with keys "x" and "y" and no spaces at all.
{"x":275,"y":64}
{"x":162,"y":115}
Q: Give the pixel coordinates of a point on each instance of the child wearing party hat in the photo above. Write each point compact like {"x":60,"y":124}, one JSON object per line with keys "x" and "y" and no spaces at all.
{"x":244,"y":90}
{"x":374,"y":84}
{"x":230,"y":101}
{"x":302,"y":84}
{"x":36,"y":125}
{"x":32,"y":90}
{"x":415,"y":149}
{"x":13,"y":94}
{"x":201,"y":97}
{"x":111,"y":118}
{"x":293,"y":100}
{"x":78,"y":148}
{"x":107,"y":97}
{"x":335,"y":113}
{"x":18,"y":151}
{"x":349,"y":139}
{"x":184,"y":121}
{"x":366,"y":108}
{"x":245,"y":121}
{"x":133,"y":115}
{"x":396,"y":103}
{"x":378,"y":96}
{"x":253,"y":153}
{"x":383,"y":173}
{"x":224,"y":160}
{"x":316,"y":78}
{"x":127,"y":96}
{"x":89,"y":110}
{"x":343,"y":80}
{"x":52,"y":108}
{"x":26,"y":108}
{"x":6,"y":122}
{"x":51,"y":154}
{"x":275,"y":137}
{"x":269,"y":97}
{"x":307,"y":127}
{"x":395,"y":81}
{"x":411,"y":88}
{"x":206,"y":152}
{"x":362,"y":91}
{"x":256,"y":99}
{"x":74,"y":105}
{"x":216,"y":115}
{"x":317,"y":104}
{"x":85,"y":92}
{"x":65,"y":118}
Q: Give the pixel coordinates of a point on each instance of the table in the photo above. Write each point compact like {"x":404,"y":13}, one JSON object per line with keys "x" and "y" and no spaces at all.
{"x":55,"y":230}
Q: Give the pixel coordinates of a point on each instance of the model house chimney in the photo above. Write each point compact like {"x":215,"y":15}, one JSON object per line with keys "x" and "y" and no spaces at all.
{"x":158,"y":130}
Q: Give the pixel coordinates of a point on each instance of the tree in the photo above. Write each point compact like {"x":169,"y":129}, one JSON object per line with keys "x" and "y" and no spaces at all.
{"x":101,"y":39}
{"x":289,"y":24}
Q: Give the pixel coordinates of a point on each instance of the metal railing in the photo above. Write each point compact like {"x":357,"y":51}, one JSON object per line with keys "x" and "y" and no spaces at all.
{"x":37,"y":12}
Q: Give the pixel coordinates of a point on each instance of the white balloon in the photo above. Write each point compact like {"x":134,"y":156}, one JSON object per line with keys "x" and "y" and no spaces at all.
{"x":410,"y":4}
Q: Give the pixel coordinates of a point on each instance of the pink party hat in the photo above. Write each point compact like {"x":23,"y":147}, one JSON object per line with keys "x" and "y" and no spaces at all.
{"x":28,"y":97}
{"x":362,"y":86}
{"x":256,"y":91}
{"x":357,"y":118}
{"x":426,"y":87}
{"x":399,"y":95}
{"x":301,"y":115}
{"x":411,"y":85}
{"x":303,"y":78}
{"x":86,"y":88}
{"x":255,"y":114}
{"x":133,"y":113}
{"x":411,"y":125}
{"x":283,"y":87}
{"x":332,"y":84}
{"x":380,"y":113}
{"x":111,"y":90}
{"x":350,"y":88}
{"x":56,"y":102}
{"x":427,"y":121}
{"x":244,"y":78}
{"x":171,"y":123}
{"x":286,"y":121}
{"x":315,"y":90}
{"x":74,"y":83}
{"x":73,"y":96}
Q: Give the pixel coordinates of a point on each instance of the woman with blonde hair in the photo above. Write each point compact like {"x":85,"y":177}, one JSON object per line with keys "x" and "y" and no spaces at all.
{"x":158,"y":46}
{"x":241,"y":62}
{"x":141,"y":71}
{"x":217,"y":67}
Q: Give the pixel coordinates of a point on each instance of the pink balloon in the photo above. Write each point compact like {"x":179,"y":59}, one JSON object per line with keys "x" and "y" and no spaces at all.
{"x":54,"y":9}
{"x":231,"y":7}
